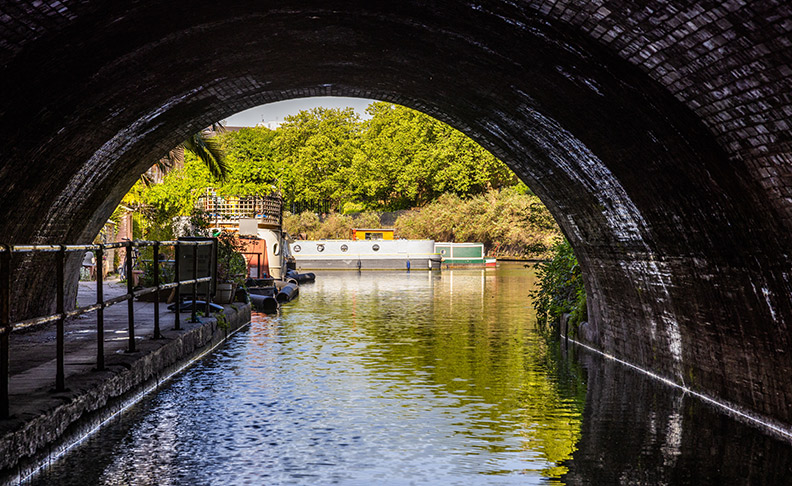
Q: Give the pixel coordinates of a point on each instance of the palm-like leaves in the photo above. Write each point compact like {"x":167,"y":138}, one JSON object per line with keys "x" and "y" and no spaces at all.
{"x":207,"y":149}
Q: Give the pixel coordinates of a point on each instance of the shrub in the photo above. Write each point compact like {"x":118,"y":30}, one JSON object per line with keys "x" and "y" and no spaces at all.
{"x":301,"y":225}
{"x":307,"y":225}
{"x":560,"y":288}
{"x":231,"y":265}
{"x":508,"y":222}
{"x":367,"y":219}
{"x":335,"y":226}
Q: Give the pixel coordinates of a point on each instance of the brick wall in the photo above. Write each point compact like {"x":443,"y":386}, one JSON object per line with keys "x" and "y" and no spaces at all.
{"x":657,"y":134}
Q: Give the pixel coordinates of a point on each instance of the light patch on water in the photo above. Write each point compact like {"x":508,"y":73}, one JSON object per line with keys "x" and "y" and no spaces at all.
{"x":71,"y":444}
{"x":672,"y":448}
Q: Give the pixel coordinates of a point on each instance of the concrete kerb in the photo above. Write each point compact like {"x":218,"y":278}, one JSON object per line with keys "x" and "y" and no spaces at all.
{"x":56,"y":422}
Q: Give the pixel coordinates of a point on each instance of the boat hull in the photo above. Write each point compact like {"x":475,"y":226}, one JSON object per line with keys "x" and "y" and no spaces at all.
{"x":365,"y":255}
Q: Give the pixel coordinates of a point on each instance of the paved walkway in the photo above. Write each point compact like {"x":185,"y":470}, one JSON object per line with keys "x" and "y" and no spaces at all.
{"x":32,"y":353}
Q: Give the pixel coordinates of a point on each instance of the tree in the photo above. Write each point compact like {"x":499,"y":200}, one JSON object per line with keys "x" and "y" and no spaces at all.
{"x":315,"y":149}
{"x":408,"y":159}
{"x":253,"y":168}
{"x":207,"y":149}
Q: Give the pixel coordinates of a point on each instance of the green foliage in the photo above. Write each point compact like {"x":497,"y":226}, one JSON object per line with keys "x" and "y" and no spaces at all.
{"x":155,"y":206}
{"x":560,"y":288}
{"x":398,"y":159}
{"x":303,"y":225}
{"x":222,"y":321}
{"x":251,"y":162}
{"x":367,"y":219}
{"x":307,"y":225}
{"x":335,"y":226}
{"x":408,"y":159}
{"x":209,"y":152}
{"x":231,"y":265}
{"x":314,"y":150}
{"x":507,"y":222}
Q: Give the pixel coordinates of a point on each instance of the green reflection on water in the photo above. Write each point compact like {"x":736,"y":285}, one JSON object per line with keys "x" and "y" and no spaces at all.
{"x":468,"y":335}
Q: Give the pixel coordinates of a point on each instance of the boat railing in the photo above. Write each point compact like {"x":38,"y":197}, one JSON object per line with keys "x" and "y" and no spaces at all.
{"x":233,"y":208}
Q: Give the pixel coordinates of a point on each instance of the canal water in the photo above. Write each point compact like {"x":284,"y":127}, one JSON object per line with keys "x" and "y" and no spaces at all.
{"x":416,"y":378}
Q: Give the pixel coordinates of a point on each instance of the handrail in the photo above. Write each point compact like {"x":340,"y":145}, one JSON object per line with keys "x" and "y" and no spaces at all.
{"x":120,"y":244}
{"x":6,"y":326}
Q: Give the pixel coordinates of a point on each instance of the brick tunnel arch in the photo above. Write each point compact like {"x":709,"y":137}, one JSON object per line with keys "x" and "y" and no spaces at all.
{"x":657,"y":136}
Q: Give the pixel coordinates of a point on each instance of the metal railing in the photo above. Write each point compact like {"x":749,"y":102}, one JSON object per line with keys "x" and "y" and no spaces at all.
{"x":61,"y":314}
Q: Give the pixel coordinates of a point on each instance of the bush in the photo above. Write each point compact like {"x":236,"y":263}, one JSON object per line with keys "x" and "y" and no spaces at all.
{"x":335,"y":226}
{"x":231,"y":265}
{"x":308,"y":226}
{"x":560,"y":288}
{"x":367,"y":219}
{"x":508,"y":222}
{"x":301,"y":225}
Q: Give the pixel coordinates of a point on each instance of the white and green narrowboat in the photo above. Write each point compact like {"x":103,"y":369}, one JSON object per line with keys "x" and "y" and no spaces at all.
{"x":463,"y":255}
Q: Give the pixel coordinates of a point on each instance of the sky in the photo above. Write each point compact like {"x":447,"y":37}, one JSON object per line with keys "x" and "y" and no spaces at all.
{"x":275,"y":112}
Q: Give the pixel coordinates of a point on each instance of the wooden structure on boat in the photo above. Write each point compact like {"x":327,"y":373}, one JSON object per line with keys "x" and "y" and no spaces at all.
{"x":257,"y":221}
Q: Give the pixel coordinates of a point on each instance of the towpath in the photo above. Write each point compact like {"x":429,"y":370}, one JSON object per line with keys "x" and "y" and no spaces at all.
{"x":33,"y":353}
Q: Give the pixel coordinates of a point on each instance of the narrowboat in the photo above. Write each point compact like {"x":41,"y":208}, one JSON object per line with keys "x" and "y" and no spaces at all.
{"x":463,"y":255}
{"x":365,"y":254}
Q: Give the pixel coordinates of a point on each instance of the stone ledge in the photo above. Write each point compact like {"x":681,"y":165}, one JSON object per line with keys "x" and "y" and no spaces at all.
{"x":53,"y":422}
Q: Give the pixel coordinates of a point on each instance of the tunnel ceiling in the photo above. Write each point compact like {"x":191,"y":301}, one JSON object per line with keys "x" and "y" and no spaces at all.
{"x":657,"y":134}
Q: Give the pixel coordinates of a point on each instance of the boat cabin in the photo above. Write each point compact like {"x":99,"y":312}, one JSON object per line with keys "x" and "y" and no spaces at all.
{"x":372,"y":234}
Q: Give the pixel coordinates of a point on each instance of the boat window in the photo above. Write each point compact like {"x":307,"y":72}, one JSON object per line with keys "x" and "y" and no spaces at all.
{"x":296,"y":248}
{"x":344,"y":248}
{"x":375,"y":247}
{"x":320,"y":248}
{"x":275,"y":249}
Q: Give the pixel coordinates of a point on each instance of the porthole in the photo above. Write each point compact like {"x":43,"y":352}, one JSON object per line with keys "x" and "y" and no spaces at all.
{"x":296,"y":248}
{"x":375,"y":247}
{"x":320,"y":248}
{"x":344,"y":248}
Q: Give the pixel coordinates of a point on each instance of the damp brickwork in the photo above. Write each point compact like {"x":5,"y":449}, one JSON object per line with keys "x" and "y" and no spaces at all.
{"x":657,"y":134}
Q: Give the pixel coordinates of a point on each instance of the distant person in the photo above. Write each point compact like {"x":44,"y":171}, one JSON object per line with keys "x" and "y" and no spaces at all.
{"x":89,"y":263}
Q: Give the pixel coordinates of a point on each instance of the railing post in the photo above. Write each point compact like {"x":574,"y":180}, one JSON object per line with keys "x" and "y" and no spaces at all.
{"x":209,"y":273}
{"x":177,"y":252}
{"x":100,"y":364}
{"x":157,"y":334}
{"x":194,"y":317}
{"x":5,"y":328}
{"x":60,"y":372}
{"x":130,"y":299}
